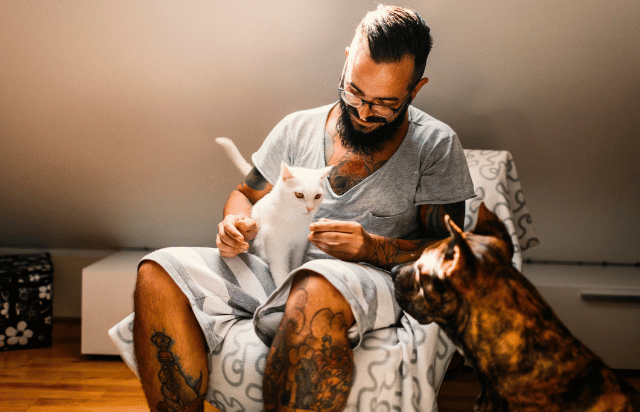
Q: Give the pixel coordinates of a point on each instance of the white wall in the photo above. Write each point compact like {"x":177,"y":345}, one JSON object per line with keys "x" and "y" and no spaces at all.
{"x":108,"y":110}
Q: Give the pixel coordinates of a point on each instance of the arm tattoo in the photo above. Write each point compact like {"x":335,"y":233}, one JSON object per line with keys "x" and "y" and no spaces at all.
{"x":181,"y":392}
{"x":389,"y":252}
{"x":255,"y":180}
{"x":432,"y":218}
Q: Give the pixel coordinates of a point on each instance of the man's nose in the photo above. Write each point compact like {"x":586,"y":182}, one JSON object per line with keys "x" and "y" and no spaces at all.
{"x":365,"y":111}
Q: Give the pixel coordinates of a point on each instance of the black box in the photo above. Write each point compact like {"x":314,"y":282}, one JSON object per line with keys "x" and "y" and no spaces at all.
{"x":26,"y":313}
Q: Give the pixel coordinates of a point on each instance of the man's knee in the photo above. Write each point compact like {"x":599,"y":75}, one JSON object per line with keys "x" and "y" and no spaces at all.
{"x":312,"y":292}
{"x":154,"y":283}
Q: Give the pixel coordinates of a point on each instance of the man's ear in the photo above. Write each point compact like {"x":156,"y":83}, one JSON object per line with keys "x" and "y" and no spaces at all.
{"x":419,"y":86}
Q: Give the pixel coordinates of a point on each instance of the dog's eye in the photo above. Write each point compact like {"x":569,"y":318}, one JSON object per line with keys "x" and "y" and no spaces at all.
{"x":450,"y":252}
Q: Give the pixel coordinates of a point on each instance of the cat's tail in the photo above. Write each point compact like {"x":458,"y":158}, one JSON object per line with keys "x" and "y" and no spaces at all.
{"x":234,"y":155}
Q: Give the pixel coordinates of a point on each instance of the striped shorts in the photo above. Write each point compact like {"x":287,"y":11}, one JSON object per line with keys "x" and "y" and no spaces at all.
{"x":223,"y":291}
{"x":239,"y":308}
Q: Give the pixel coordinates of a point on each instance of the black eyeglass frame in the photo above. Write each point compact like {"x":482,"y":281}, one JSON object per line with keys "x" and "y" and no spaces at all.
{"x":371,"y":105}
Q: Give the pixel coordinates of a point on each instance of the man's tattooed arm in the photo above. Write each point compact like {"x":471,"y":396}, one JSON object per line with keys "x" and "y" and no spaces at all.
{"x":389,"y":252}
{"x":255,"y":180}
{"x":241,"y":200}
{"x":255,"y":186}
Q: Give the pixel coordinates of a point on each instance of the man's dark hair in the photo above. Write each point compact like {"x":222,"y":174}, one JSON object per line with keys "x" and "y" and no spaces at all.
{"x":393,"y":32}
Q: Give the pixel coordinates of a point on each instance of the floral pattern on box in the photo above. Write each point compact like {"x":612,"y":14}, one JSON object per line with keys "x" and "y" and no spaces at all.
{"x":25,"y":301}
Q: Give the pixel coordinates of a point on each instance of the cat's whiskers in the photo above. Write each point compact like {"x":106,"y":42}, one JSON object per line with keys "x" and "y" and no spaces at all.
{"x":290,"y":215}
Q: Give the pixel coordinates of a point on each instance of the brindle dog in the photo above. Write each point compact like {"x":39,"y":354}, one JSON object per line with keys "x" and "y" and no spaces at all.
{"x":524,"y":357}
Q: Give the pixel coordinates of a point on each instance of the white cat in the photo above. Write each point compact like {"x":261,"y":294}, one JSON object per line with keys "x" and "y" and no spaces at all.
{"x":284,"y":214}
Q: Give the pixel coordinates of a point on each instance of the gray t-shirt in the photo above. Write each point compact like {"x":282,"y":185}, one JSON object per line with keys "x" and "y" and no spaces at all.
{"x":429,"y":167}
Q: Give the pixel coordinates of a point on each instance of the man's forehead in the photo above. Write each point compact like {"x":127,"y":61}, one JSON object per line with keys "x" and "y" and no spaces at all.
{"x":377,"y":79}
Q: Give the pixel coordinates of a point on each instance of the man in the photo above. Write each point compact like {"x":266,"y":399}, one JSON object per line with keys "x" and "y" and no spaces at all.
{"x":397,"y":172}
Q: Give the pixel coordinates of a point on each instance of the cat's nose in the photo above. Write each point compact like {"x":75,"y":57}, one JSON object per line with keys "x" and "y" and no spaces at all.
{"x":309,"y":209}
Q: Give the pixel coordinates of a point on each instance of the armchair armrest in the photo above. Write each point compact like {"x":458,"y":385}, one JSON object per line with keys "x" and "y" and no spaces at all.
{"x":497,"y":184}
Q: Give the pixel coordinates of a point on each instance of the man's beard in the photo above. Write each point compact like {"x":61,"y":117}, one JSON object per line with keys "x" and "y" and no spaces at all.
{"x":366,"y":143}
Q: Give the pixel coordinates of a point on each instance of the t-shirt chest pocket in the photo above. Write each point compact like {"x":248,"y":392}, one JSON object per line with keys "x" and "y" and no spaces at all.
{"x":391,"y":207}
{"x":400,"y":225}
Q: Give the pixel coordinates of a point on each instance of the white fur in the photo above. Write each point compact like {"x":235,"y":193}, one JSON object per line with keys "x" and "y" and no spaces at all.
{"x":283,"y":218}
{"x":234,"y":154}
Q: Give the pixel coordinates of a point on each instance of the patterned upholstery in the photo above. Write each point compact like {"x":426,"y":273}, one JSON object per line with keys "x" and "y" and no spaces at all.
{"x":397,"y":368}
{"x":497,"y":184}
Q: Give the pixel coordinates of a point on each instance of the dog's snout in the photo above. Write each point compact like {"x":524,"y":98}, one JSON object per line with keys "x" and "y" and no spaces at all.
{"x":395,"y":270}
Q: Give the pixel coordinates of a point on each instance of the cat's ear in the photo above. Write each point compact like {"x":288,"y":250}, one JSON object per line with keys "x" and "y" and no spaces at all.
{"x":325,"y":172}
{"x":285,"y":172}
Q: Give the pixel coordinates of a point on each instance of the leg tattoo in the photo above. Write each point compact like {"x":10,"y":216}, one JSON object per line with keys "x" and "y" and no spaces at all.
{"x":179,"y":394}
{"x":310,"y":365}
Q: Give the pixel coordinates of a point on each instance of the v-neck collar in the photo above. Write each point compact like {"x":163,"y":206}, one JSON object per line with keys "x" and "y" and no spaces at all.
{"x":375,"y":173}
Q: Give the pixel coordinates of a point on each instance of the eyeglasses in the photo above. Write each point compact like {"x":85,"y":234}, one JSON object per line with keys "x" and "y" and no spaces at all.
{"x":377,"y":109}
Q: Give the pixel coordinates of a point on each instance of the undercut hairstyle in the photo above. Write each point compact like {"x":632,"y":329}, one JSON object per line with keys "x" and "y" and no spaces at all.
{"x":394,"y":32}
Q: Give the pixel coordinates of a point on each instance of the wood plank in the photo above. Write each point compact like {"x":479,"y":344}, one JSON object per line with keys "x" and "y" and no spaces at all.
{"x":61,"y":379}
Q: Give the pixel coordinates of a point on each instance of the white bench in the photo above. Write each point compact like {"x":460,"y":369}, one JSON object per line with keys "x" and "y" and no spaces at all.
{"x":107,"y":298}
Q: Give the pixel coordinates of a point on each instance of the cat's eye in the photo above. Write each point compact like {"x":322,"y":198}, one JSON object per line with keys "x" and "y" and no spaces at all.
{"x":318,"y":196}
{"x":299,"y":195}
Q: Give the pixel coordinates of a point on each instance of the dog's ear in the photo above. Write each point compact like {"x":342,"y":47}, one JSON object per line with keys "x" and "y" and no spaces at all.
{"x":463,"y":257}
{"x":489,"y":224}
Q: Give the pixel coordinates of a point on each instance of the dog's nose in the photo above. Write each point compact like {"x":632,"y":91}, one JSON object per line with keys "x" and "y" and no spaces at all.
{"x":396,"y":270}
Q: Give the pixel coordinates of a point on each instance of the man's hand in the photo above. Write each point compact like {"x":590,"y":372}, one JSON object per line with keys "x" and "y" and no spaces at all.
{"x":343,"y":240}
{"x":350,"y":242}
{"x":234,"y":232}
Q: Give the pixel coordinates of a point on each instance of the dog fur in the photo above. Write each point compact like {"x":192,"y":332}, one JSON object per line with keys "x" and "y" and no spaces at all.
{"x":524,"y":357}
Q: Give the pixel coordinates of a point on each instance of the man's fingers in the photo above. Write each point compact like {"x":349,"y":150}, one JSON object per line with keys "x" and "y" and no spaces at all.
{"x":234,"y":242}
{"x":234,"y":232}
{"x":342,"y":239}
{"x":230,"y":241}
{"x":228,"y":228}
{"x":326,"y":225}
{"x":231,"y":245}
{"x":330,"y":240}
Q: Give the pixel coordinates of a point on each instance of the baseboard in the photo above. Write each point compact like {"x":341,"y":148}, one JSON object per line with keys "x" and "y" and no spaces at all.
{"x":67,"y":320}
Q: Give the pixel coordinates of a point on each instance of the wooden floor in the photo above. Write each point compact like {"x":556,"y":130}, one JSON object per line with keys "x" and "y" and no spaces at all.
{"x":61,"y":379}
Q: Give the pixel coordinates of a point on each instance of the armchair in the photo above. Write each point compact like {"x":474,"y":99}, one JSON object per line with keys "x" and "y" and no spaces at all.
{"x":399,"y":367}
